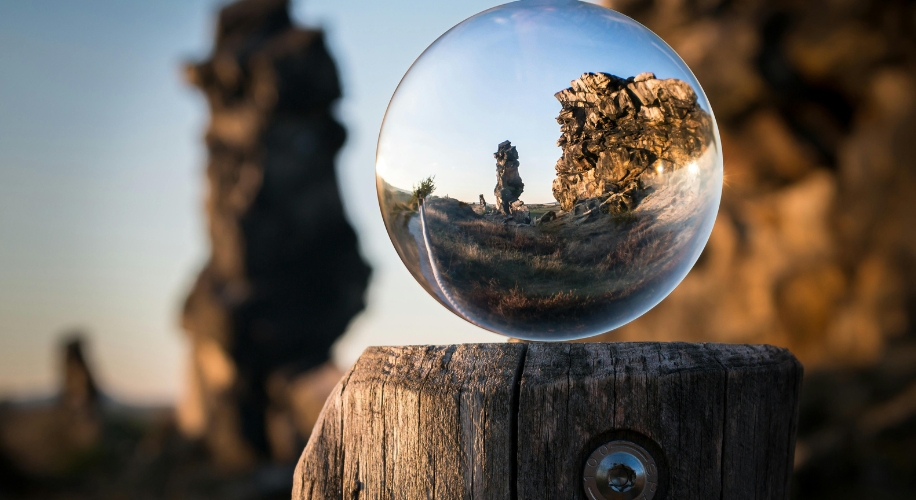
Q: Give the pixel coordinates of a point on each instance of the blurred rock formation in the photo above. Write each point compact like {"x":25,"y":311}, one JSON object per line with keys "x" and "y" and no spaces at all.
{"x":285,"y":276}
{"x":50,"y":437}
{"x":509,"y":185}
{"x":614,"y":130}
{"x":81,"y":444}
{"x":814,"y":247}
{"x":79,"y":389}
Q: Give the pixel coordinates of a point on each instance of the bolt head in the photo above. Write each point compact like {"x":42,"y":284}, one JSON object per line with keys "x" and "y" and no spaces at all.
{"x":621,"y":478}
{"x":620,"y":470}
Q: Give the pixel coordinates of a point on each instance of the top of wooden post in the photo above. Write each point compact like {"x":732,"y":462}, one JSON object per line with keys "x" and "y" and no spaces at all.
{"x":494,"y":421}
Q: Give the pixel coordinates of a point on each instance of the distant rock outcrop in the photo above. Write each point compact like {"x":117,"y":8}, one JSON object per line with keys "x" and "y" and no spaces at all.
{"x":509,"y":185}
{"x":79,"y":389}
{"x":615,"y":130}
{"x":45,"y":439}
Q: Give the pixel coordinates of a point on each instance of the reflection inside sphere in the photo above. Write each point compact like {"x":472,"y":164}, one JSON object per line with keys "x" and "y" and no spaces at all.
{"x":533,"y":236}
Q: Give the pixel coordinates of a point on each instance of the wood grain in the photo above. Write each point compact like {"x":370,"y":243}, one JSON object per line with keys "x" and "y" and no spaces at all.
{"x":417,"y":422}
{"x":507,"y":421}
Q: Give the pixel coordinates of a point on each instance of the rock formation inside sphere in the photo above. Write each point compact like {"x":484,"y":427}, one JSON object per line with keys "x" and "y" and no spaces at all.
{"x":636,"y":190}
{"x":509,"y":185}
{"x":615,"y":131}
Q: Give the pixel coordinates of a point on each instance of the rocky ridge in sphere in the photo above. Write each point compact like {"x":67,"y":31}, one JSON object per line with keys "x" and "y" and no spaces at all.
{"x":615,"y":130}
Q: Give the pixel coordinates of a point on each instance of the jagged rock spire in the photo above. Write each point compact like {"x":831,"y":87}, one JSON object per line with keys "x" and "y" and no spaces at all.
{"x":509,"y":185}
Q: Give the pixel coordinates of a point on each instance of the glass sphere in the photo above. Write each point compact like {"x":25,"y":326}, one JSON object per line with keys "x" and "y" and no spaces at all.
{"x":532,"y":236}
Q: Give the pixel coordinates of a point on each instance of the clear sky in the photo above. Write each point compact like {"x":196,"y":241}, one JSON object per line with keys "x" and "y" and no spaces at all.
{"x":101,"y":177}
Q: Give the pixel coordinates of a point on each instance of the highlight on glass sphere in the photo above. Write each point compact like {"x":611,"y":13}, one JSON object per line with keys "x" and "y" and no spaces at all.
{"x":549,"y":169}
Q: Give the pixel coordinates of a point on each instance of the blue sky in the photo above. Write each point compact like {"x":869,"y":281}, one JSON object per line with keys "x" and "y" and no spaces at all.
{"x":101,"y":178}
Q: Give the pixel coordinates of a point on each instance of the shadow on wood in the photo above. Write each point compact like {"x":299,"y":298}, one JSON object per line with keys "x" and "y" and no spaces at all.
{"x":494,"y":421}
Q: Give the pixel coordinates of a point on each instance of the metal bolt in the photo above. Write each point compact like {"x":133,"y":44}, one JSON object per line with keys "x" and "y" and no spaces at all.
{"x":621,"y":478}
{"x":620,"y":470}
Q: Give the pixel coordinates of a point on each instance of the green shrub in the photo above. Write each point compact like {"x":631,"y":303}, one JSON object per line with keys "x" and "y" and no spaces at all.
{"x":422,"y":190}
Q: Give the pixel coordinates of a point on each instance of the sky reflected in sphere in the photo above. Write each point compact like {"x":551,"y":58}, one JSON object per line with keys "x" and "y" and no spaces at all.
{"x":549,"y":170}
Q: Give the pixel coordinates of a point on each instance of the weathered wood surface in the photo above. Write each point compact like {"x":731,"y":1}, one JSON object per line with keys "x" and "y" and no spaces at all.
{"x":417,"y":423}
{"x":508,"y":421}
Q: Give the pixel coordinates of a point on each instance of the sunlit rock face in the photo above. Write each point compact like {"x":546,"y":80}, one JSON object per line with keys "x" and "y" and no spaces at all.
{"x":812,"y":248}
{"x":616,"y":130}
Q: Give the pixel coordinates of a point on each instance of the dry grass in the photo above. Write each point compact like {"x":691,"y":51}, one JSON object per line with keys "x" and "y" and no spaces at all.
{"x":591,"y":264}
{"x":521,"y":306}
{"x":562,"y":269}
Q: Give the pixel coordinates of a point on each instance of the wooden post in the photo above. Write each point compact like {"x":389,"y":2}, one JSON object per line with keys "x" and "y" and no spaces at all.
{"x":525,"y":421}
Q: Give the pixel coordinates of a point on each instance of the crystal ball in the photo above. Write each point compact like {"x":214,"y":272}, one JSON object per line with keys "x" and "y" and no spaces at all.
{"x":549,"y":169}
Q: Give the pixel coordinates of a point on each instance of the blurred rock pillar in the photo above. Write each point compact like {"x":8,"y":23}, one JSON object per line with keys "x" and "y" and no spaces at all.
{"x":285,"y":276}
{"x":55,"y":438}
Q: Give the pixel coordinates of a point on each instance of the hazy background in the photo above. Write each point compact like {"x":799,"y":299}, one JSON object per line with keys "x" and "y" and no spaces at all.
{"x":101,"y":175}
